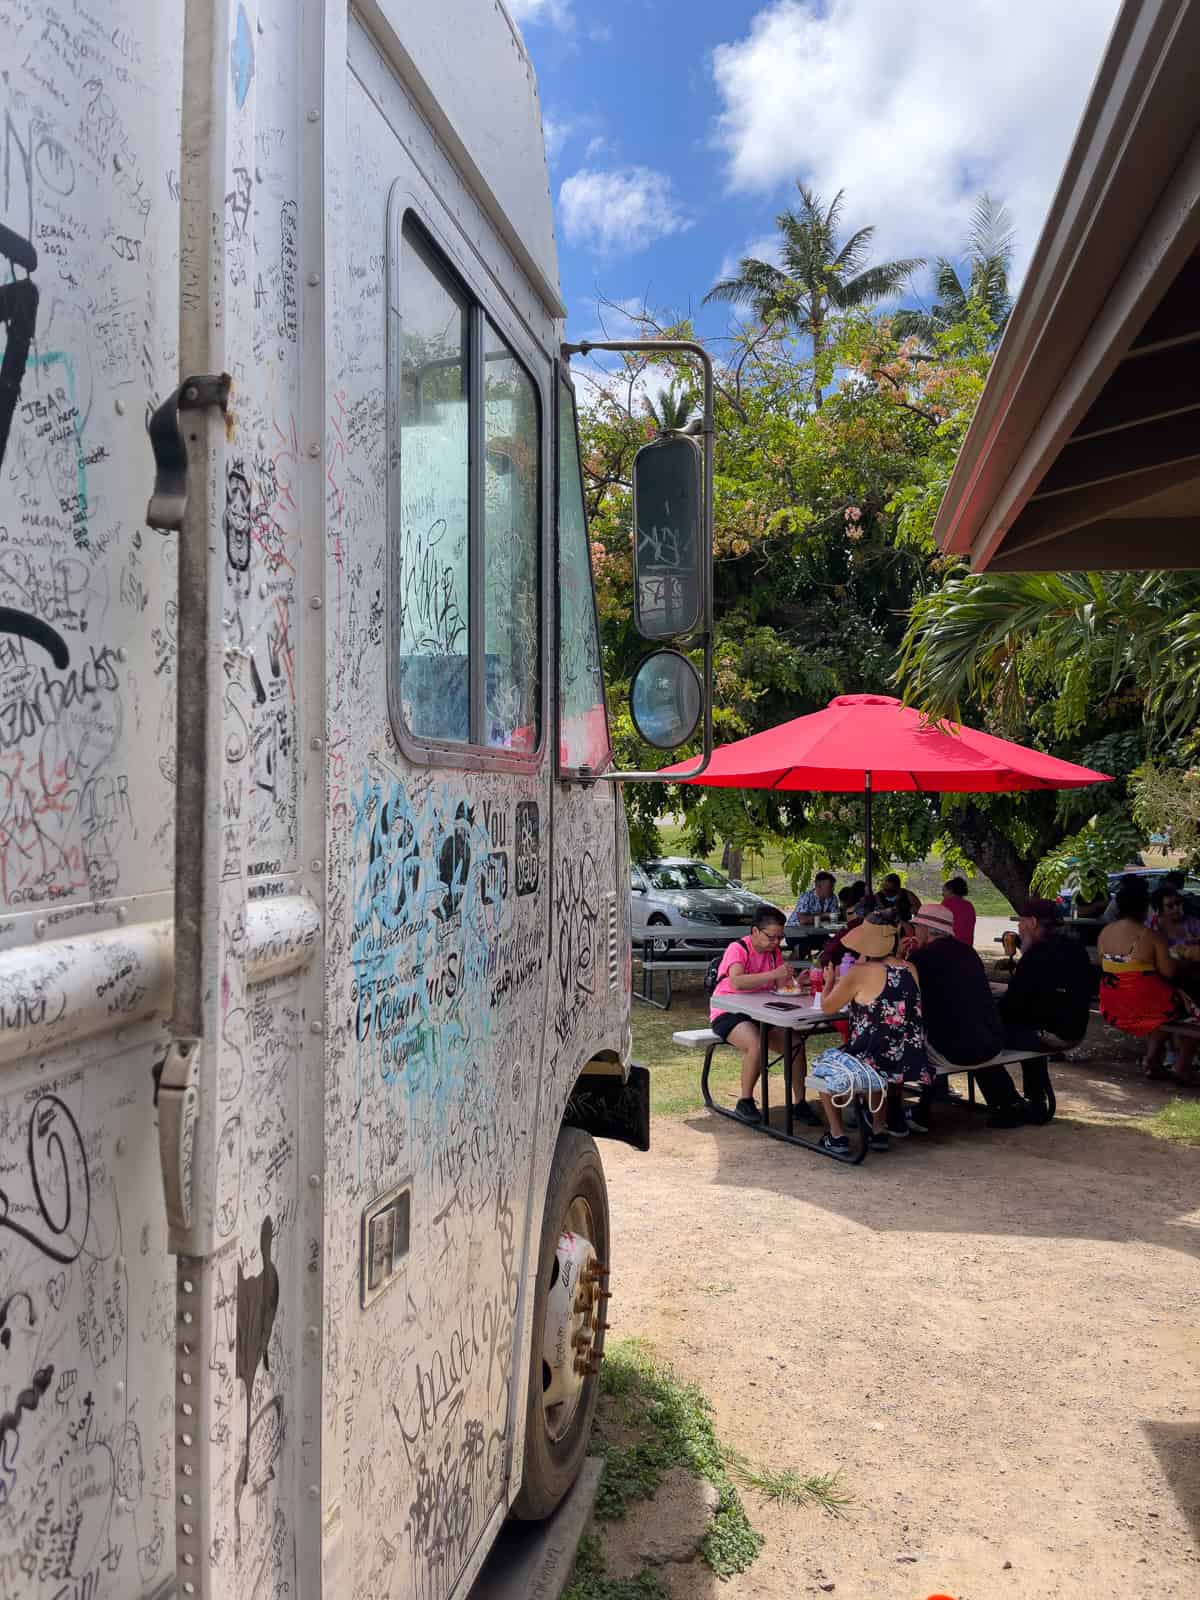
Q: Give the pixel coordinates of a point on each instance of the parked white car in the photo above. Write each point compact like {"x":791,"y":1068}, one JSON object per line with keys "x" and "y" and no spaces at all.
{"x":697,"y":908}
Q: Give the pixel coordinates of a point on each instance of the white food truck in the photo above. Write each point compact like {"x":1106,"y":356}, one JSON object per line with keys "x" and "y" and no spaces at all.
{"x":314,"y":959}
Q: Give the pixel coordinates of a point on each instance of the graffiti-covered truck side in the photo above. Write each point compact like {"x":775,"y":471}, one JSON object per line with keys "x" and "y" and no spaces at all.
{"x":314,"y":950}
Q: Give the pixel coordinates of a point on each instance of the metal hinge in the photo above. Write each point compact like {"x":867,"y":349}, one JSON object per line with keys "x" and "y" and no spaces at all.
{"x":169,"y":500}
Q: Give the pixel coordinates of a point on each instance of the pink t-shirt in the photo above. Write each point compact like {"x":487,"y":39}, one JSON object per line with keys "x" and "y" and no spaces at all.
{"x":743,"y":953}
{"x":963,"y":913}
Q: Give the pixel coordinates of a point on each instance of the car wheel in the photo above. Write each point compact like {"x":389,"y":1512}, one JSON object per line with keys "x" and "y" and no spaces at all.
{"x":568,"y":1326}
{"x":659,"y":945}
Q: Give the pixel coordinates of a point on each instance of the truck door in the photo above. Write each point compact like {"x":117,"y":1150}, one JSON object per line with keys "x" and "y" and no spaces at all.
{"x":437,"y":861}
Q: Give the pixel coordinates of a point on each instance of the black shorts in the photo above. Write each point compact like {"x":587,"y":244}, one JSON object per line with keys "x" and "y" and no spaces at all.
{"x":725,"y":1022}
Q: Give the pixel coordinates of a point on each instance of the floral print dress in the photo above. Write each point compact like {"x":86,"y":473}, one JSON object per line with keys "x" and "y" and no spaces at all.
{"x":889,"y":1033}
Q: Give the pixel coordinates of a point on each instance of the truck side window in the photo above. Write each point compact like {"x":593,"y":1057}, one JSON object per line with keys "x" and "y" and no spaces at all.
{"x":583,"y":722}
{"x":511,"y":565}
{"x":466,"y":515}
{"x":431,"y":554}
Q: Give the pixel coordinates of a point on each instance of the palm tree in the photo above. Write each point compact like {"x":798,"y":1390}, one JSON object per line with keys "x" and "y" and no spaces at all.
{"x":989,"y":258}
{"x":818,"y":276}
{"x":673,"y":409}
{"x":1107,"y":633}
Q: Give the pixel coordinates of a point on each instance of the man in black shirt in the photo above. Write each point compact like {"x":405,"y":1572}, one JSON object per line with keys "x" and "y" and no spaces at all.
{"x":1050,"y":993}
{"x":962,"y":1023}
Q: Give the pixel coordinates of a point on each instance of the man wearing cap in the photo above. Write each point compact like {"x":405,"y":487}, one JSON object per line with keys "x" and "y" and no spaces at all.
{"x":1050,"y":993}
{"x":962,"y":1023}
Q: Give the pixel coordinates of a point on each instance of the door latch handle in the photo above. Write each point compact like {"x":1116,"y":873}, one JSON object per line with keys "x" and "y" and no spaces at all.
{"x":177,"y":1095}
{"x":169,"y":500}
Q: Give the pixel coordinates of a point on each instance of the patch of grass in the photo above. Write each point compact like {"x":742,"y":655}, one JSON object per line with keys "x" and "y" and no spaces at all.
{"x":675,"y":1072}
{"x":1178,"y":1121}
{"x":787,"y":1488}
{"x":589,"y":1581}
{"x":675,"y":1426}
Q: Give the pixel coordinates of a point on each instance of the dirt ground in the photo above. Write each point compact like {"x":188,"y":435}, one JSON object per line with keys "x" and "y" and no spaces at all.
{"x":995,"y":1336}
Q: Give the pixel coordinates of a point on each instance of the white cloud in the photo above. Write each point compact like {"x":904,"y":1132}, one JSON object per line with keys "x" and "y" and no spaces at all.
{"x":556,"y":130}
{"x":622,"y":210}
{"x":557,"y":12}
{"x":596,"y":147}
{"x":912,"y":109}
{"x":600,"y":33}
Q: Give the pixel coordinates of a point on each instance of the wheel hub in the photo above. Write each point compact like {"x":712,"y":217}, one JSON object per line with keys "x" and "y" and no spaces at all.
{"x":572,"y":1343}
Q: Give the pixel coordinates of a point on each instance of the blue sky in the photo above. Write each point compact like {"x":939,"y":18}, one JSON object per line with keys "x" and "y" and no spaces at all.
{"x":676,"y":131}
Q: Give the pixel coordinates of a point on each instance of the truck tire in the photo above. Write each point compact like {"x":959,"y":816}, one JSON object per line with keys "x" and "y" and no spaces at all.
{"x":569,"y":1302}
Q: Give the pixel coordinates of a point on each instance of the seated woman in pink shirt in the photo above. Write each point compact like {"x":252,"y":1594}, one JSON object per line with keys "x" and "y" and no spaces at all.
{"x":752,"y":966}
{"x":954,"y":898}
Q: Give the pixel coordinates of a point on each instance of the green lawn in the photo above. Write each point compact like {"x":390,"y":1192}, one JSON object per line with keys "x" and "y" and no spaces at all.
{"x":1179,"y":1121}
{"x":764,"y":875}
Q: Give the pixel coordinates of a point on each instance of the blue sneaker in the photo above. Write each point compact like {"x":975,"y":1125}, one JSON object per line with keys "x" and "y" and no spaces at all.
{"x":835,"y":1145}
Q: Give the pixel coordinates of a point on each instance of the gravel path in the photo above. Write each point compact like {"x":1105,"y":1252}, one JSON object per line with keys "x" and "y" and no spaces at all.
{"x":994,"y":1335}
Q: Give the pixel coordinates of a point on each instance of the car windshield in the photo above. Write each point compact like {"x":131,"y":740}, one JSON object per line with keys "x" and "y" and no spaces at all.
{"x":685,"y":875}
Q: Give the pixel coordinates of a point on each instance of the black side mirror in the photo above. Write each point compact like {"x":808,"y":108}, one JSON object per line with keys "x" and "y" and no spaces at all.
{"x":668,"y":538}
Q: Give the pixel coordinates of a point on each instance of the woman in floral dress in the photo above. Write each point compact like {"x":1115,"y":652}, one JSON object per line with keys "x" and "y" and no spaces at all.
{"x":882,"y":994}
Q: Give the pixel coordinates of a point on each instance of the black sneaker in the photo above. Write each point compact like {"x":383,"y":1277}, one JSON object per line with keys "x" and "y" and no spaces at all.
{"x":803,"y":1112}
{"x":1010,"y":1116}
{"x":897,"y":1124}
{"x":836,"y":1146}
{"x":918,"y":1121}
{"x":748,"y":1111}
{"x":880,"y":1141}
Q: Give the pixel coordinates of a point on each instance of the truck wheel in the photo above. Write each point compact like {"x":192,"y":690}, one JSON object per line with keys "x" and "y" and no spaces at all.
{"x":568,"y":1325}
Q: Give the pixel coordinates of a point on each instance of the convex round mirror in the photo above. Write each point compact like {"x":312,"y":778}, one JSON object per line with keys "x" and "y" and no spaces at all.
{"x":665,"y":699}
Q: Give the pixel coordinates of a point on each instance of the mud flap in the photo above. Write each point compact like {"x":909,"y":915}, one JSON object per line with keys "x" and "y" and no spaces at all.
{"x":611,"y":1107}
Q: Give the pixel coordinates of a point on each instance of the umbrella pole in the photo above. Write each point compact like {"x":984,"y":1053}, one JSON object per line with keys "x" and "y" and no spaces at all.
{"x":867,"y":832}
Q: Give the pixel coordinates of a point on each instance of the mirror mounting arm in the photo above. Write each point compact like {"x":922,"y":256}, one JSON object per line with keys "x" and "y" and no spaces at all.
{"x":703,"y":428}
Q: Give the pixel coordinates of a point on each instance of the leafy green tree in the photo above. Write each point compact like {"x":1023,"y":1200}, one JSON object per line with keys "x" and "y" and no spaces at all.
{"x":819,"y":276}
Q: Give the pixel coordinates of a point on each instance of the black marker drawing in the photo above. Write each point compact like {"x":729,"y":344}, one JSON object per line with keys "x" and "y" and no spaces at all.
{"x":5,"y":1330}
{"x":257,"y":1302}
{"x":33,"y":628}
{"x":27,"y":1400}
{"x":18,"y":313}
{"x":53,"y":1132}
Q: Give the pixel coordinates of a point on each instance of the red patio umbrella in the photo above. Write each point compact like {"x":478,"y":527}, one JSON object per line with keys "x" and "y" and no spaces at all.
{"x":873,"y":743}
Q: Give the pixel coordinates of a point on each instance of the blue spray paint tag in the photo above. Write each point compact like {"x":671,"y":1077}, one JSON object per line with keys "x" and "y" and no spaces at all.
{"x":241,"y":58}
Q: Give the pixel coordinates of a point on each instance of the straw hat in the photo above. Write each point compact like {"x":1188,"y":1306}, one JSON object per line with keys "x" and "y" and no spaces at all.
{"x":871,"y":938}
